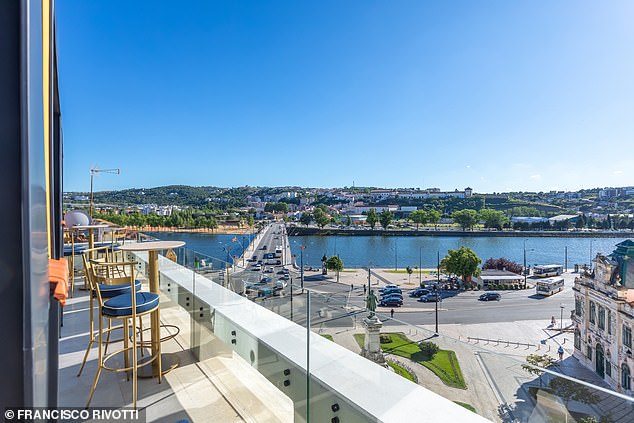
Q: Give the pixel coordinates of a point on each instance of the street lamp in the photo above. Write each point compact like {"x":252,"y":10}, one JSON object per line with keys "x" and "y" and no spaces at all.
{"x":301,"y":265}
{"x":561,"y":318}
{"x":436,"y":286}
{"x":420,"y":266}
{"x":525,"y":276}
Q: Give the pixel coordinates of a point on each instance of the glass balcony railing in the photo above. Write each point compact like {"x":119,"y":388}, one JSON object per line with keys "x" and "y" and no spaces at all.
{"x":306,"y":343}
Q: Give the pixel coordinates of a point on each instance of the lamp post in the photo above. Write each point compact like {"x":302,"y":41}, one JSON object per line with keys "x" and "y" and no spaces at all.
{"x":301,"y":265}
{"x":566,"y":258}
{"x":437,"y":285}
{"x":420,"y":266}
{"x":395,"y":255}
{"x":561,"y":317}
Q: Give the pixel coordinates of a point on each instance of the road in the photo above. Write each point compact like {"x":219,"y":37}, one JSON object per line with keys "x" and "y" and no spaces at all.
{"x":335,"y":305}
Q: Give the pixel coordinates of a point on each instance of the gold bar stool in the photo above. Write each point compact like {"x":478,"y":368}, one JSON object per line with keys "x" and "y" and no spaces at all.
{"x":112,"y":281}
{"x":126,"y":307}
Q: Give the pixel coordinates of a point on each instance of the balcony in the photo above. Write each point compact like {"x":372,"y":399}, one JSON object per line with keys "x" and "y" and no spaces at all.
{"x":244,"y":360}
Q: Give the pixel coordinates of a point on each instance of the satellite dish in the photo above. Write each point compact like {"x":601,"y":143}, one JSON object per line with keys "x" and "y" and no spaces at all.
{"x":76,"y":218}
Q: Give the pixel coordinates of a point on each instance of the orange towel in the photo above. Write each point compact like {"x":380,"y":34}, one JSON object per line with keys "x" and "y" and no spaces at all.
{"x":58,"y":274}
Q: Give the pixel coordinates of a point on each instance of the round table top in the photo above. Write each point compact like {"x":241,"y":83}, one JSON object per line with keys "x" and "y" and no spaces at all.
{"x":151,"y":246}
{"x":89,"y":226}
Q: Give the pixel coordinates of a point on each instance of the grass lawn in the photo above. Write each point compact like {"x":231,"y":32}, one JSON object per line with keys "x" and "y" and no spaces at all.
{"x":467,"y":406}
{"x":444,"y":364}
{"x":400,"y":370}
{"x":327,"y":336}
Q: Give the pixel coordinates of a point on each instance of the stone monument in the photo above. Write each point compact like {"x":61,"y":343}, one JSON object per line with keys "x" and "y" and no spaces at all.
{"x":372,"y":342}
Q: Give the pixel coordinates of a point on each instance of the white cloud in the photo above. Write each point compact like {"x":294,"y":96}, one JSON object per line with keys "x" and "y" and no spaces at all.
{"x":618,"y":172}
{"x":536,"y":177}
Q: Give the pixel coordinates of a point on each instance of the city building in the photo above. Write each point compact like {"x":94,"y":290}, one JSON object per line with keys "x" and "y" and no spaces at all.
{"x":604,"y":317}
{"x":492,"y":278}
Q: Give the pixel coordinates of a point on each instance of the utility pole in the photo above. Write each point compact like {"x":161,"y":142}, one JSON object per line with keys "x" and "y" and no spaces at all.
{"x":94,"y":171}
{"x":291,"y":285}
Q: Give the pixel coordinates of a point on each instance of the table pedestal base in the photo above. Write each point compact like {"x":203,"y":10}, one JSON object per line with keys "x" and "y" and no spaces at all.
{"x":169,"y":361}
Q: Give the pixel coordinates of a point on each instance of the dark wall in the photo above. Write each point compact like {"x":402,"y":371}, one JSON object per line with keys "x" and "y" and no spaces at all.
{"x":11,"y":304}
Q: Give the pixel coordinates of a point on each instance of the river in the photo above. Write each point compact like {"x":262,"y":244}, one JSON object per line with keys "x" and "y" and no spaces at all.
{"x":395,"y":251}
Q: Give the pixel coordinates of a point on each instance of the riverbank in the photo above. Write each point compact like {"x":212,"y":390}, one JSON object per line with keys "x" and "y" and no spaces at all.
{"x":224,"y":230}
{"x":307,"y":231}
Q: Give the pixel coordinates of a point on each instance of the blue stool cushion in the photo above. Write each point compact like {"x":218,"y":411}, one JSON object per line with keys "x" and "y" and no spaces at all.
{"x":110,"y":291}
{"x":121,"y":305}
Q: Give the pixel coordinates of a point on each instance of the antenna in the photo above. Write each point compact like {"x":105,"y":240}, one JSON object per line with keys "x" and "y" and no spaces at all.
{"x":94,"y":170}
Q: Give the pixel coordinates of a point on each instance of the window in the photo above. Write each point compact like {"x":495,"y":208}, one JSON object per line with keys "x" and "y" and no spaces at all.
{"x":577,"y":339}
{"x":601,"y":317}
{"x":608,"y":367}
{"x":589,"y":352}
{"x":593,"y":312}
{"x":625,"y":376}
{"x":578,"y":306}
{"x":609,"y":322}
{"x":627,"y":336}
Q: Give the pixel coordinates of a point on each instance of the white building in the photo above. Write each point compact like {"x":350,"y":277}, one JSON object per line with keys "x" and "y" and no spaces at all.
{"x":604,"y":317}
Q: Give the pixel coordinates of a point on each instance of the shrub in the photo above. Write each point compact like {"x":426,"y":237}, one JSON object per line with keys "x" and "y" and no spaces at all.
{"x":385,"y":339}
{"x":429,"y":349}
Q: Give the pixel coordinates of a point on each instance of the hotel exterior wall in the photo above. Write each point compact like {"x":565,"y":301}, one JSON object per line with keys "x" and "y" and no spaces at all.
{"x":364,"y":391}
{"x":593,"y":293}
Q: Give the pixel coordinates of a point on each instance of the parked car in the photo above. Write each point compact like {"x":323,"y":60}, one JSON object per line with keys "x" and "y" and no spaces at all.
{"x":490,"y":296}
{"x":397,"y":296}
{"x":391,"y":291}
{"x":419,"y":292}
{"x":268,"y":270}
{"x":263,"y":247}
{"x":429,"y":298}
{"x":391,"y":286}
{"x":391,"y":302}
{"x":257,"y":267}
{"x":281,"y":284}
{"x":265,"y":279}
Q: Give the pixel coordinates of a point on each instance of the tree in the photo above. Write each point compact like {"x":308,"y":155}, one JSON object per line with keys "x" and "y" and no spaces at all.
{"x":322,"y":207}
{"x":306,"y":218}
{"x":463,"y":262}
{"x":493,"y":218}
{"x":385,"y":217}
{"x":501,"y":264}
{"x":418,"y":217}
{"x":409,"y":271}
{"x":250,"y":220}
{"x":348,"y":220}
{"x":336,"y":264}
{"x":429,"y":349}
{"x":466,"y":218}
{"x":321,"y":218}
{"x":535,"y":361}
{"x":568,"y":391}
{"x":433,"y":217}
{"x":372,"y":218}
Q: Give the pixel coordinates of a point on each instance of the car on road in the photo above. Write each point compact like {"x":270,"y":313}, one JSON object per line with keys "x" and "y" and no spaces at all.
{"x":429,"y":298}
{"x":257,"y":267}
{"x":265,"y":279}
{"x":263,"y":247}
{"x":419,"y":292}
{"x":490,"y":296}
{"x":281,"y":284}
{"x":391,"y":302}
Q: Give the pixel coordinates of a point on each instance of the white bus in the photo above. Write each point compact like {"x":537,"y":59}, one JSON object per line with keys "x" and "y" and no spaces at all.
{"x":548,"y":270}
{"x":278,"y":251}
{"x":549,"y":286}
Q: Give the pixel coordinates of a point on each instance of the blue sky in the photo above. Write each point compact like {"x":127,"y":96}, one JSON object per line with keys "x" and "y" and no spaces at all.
{"x":495,"y":95}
